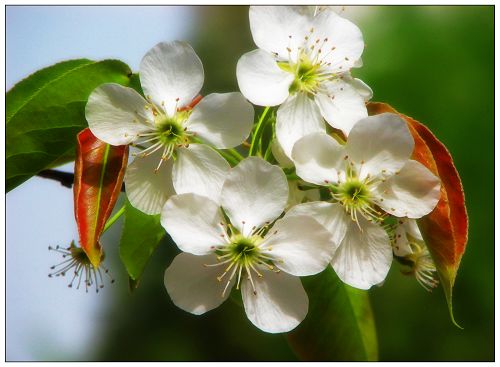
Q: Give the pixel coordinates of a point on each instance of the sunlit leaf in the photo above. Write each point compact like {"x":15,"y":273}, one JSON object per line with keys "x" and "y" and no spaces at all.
{"x":444,"y":229}
{"x":339,"y":325}
{"x":99,"y":170}
{"x":141,"y":234}
{"x":45,"y":111}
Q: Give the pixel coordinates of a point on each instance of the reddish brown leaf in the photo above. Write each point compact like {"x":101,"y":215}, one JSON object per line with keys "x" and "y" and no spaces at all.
{"x":99,"y":170}
{"x":445,"y":228}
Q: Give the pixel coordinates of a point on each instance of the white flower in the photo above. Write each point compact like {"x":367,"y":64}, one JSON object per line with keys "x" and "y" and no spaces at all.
{"x":409,"y":247}
{"x":166,"y":127}
{"x":369,"y":177}
{"x":303,"y":63}
{"x":405,"y":232}
{"x":240,"y":241}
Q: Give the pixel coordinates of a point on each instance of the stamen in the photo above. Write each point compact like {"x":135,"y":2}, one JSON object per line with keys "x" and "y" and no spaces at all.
{"x":239,"y":277}
{"x":143,"y":135}
{"x":250,"y":278}
{"x":146,"y":141}
{"x":254,"y":269}
{"x":219,"y":278}
{"x":150,"y":150}
{"x":219,"y":264}
{"x":164,"y":157}
{"x":229,"y":281}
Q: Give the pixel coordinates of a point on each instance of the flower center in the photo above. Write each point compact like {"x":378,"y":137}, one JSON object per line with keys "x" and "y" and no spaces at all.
{"x":308,"y":62}
{"x":168,"y":134}
{"x":307,"y":75}
{"x":243,"y":254}
{"x":82,"y":268}
{"x":170,"y":130}
{"x":354,"y":193}
{"x":244,"y":248}
{"x":356,"y":197}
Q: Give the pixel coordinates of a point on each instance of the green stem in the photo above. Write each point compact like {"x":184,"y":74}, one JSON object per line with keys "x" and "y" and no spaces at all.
{"x":268,"y":149}
{"x":113,"y":219}
{"x":257,"y":131}
{"x":268,"y":152}
{"x":233,"y":161}
{"x":236,"y":154}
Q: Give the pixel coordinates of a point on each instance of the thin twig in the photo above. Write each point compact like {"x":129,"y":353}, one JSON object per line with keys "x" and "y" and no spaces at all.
{"x":64,"y":178}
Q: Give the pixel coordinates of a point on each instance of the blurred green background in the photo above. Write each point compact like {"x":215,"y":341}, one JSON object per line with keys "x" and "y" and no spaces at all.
{"x":433,"y":63}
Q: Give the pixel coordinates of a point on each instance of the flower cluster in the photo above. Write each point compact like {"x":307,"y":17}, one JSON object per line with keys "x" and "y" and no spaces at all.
{"x":334,"y":185}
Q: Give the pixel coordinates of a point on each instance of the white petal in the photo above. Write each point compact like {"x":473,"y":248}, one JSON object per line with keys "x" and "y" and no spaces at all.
{"x":261,"y":80}
{"x":412,"y":193}
{"x":254,"y":192}
{"x":192,"y":286}
{"x":279,"y":155}
{"x":342,"y":34}
{"x":116,"y":114}
{"x":272,"y":27}
{"x":171,"y":75}
{"x":297,"y":117}
{"x":362,"y":88}
{"x":201,"y":170}
{"x":364,"y":258}
{"x":343,"y":106}
{"x":318,"y":158}
{"x":279,"y":303}
{"x":194,"y":223}
{"x":400,"y":245}
{"x":332,"y":216}
{"x":382,"y":141}
{"x":411,"y":227}
{"x":223,"y":120}
{"x":300,"y":245}
{"x":146,"y":190}
{"x":358,"y":63}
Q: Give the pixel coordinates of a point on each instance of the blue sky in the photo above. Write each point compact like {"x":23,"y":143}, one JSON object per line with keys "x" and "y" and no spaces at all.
{"x":45,"y":319}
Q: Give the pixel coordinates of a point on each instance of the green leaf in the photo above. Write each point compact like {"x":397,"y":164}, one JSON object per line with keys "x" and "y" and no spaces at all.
{"x":135,"y":83}
{"x":339,"y":325}
{"x":141,"y":234}
{"x":46,"y":110}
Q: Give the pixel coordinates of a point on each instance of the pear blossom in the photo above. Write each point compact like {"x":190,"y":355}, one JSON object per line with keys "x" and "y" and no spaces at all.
{"x":303,"y":63}
{"x":369,"y":178}
{"x":409,"y":247}
{"x":241,"y":241}
{"x":167,"y":129}
{"x":296,"y":194}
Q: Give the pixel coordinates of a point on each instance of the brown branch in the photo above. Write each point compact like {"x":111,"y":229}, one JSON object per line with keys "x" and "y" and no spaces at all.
{"x":64,"y":178}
